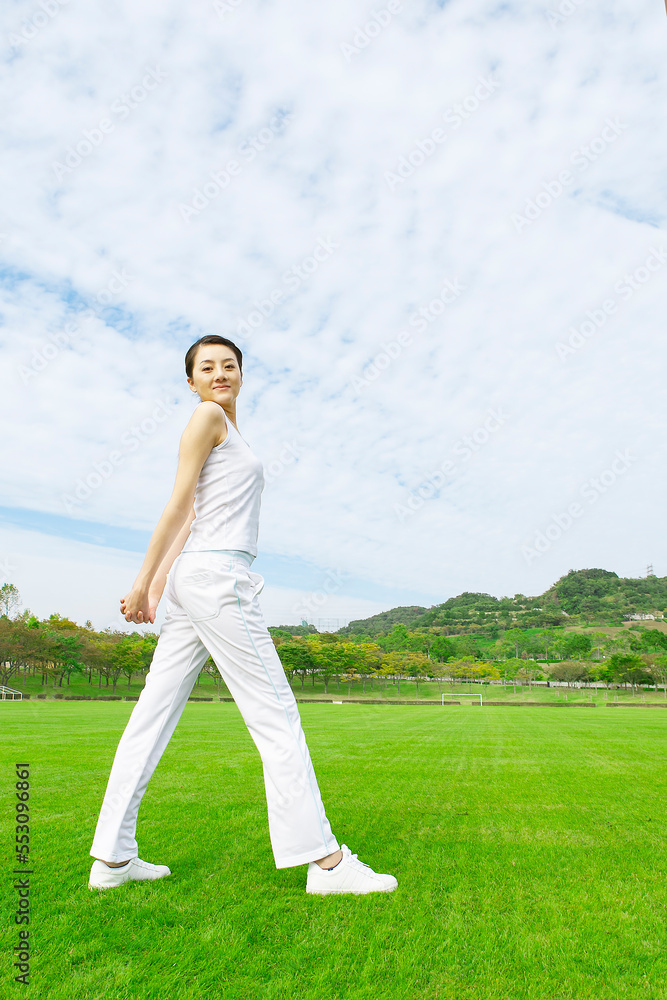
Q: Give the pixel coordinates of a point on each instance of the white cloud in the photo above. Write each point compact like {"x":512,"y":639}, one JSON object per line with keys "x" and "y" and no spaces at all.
{"x":219,"y":83}
{"x":83,"y":581}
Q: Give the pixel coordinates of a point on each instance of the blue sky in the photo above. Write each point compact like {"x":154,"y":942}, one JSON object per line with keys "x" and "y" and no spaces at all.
{"x":437,"y":233}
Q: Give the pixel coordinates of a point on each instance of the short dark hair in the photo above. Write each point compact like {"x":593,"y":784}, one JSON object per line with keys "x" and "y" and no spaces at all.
{"x":212,"y":338}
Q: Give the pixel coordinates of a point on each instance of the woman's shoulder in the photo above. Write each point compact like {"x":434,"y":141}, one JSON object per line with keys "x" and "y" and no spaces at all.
{"x":208,"y":416}
{"x":208,"y":408}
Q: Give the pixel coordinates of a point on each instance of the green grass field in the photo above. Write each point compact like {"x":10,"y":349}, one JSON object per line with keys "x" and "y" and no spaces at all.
{"x":529,"y":848}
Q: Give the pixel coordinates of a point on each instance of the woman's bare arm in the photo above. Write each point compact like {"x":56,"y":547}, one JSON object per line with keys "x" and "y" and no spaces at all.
{"x":199,"y":437}
{"x":160,"y":579}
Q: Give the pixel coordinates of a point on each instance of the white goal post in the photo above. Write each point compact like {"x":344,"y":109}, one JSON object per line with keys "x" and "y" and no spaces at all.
{"x":9,"y":694}
{"x":442,"y":702}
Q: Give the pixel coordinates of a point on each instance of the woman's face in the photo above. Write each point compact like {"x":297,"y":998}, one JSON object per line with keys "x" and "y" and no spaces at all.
{"x":216,"y":374}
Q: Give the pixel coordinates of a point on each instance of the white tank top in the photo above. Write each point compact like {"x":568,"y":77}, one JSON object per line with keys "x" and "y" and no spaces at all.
{"x":227,"y":498}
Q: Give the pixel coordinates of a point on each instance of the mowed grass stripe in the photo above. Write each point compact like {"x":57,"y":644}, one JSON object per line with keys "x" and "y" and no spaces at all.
{"x":529,"y":848}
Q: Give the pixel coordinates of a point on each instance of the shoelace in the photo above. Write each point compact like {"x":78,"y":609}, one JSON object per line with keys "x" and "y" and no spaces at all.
{"x":358,"y":863}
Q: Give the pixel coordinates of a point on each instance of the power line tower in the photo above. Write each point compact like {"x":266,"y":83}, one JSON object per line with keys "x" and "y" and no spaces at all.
{"x":649,"y":570}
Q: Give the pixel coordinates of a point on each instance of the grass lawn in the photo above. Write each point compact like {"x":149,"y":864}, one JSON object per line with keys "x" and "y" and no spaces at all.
{"x":529,"y":847}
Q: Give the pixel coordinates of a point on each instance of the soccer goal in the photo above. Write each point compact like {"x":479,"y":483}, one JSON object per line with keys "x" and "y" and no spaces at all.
{"x":461,"y":696}
{"x":9,"y":694}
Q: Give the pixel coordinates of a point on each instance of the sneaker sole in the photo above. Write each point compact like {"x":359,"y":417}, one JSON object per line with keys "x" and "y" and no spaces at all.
{"x":347,"y":892}
{"x":116,"y":884}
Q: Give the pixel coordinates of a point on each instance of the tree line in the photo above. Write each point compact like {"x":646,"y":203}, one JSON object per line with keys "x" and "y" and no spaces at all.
{"x":419,"y":657}
{"x":56,"y":649}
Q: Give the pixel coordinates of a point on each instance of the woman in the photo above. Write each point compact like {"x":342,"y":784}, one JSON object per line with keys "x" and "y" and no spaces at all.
{"x":212,"y":608}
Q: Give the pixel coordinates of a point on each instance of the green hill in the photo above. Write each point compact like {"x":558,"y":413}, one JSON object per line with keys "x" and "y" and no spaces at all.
{"x":588,"y":595}
{"x":599,"y":593}
{"x":384,"y":622}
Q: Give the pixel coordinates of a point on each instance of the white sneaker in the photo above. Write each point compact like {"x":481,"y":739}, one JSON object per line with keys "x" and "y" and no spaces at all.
{"x":349,"y":875}
{"x":103,"y":877}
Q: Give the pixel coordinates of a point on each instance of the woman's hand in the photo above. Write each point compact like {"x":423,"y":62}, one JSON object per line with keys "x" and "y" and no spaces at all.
{"x":140,"y":604}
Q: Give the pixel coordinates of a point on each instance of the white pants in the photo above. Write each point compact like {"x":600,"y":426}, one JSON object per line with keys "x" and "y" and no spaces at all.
{"x":212,"y":607}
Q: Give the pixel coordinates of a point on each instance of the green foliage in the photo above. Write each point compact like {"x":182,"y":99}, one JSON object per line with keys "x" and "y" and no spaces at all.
{"x":442,"y":649}
{"x":9,"y":599}
{"x":601,"y":593}
{"x":296,"y":656}
{"x":383,"y":622}
{"x":576,"y":644}
{"x":285,"y":631}
{"x":400,"y":638}
{"x":570,"y":671}
{"x":579,"y":597}
{"x":629,"y":668}
{"x":652,"y":639}
{"x":56,"y":621}
{"x":57,"y":648}
{"x":510,"y":667}
{"x":467,"y":668}
{"x":128,"y":658}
